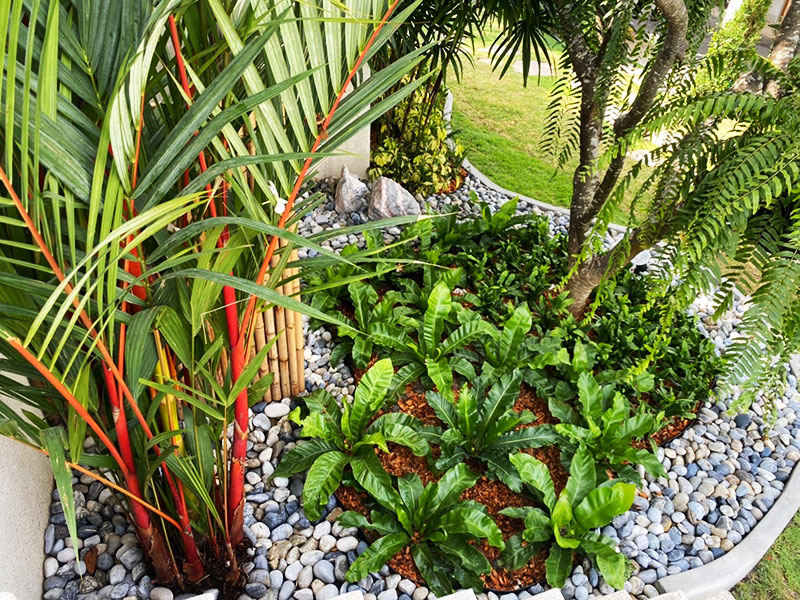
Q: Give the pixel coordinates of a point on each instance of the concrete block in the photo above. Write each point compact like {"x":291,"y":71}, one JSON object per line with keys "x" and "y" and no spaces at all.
{"x":25,"y":486}
{"x":554,"y":594}
{"x":460,"y":595}
{"x":679,"y":595}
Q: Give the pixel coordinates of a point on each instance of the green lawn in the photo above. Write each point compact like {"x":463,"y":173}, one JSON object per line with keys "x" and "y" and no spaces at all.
{"x":777,"y":576}
{"x":500,"y":125}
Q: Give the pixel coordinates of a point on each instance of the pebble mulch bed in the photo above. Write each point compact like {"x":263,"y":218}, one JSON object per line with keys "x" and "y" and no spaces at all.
{"x":724,"y":474}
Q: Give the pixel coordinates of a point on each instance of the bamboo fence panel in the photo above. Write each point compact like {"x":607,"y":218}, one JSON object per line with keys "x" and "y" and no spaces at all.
{"x":285,"y":360}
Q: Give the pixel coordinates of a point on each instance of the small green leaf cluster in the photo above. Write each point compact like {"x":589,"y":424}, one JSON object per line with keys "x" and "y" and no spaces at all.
{"x":346,"y":436}
{"x":567,"y":522}
{"x":434,"y":525}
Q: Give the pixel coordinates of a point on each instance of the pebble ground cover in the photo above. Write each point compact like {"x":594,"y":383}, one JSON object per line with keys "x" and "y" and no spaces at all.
{"x":721,"y":474}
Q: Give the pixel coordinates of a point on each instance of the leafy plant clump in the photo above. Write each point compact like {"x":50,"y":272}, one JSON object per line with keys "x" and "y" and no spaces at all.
{"x":412,"y":148}
{"x":346,"y":437}
{"x":566,"y":522}
{"x":482,"y":424}
{"x":434,"y":525}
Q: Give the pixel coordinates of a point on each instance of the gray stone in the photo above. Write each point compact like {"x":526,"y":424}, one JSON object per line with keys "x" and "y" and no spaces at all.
{"x":388,"y":595}
{"x":286,"y":591}
{"x":351,"y":193}
{"x":346,"y":544}
{"x":323,"y":570}
{"x":161,"y":593}
{"x":390,"y":199}
{"x":116,"y":574}
{"x":326,"y":592}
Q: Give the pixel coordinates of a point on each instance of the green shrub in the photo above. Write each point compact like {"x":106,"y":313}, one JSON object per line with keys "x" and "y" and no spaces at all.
{"x":345,"y":436}
{"x":412,"y":147}
{"x":434,"y":525}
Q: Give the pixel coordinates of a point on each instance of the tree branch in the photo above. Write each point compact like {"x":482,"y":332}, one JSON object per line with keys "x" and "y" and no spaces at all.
{"x":673,"y":49}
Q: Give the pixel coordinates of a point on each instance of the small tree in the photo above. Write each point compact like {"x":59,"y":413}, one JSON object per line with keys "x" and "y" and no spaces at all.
{"x":607,"y":43}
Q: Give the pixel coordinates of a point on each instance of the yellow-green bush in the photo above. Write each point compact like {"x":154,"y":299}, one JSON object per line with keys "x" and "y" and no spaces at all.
{"x":411,"y":147}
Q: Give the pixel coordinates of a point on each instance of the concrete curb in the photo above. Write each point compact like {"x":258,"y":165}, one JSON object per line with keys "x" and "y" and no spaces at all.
{"x":725,"y":572}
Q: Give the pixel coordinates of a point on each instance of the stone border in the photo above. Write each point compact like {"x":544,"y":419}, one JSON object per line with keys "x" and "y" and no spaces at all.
{"x":723,"y":573}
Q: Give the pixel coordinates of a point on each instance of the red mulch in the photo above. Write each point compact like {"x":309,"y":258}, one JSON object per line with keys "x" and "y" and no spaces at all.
{"x":494,"y":494}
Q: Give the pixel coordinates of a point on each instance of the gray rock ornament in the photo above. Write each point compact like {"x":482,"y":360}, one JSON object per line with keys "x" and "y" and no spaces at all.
{"x":390,"y":199}
{"x":351,"y":193}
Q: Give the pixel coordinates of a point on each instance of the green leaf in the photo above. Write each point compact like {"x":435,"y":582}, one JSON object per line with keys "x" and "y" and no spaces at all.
{"x":467,"y":410}
{"x":53,"y":441}
{"x":439,"y":305}
{"x":603,"y":504}
{"x":377,"y":555}
{"x":364,"y":298}
{"x":467,"y":555}
{"x":536,"y":474}
{"x":590,"y":395}
{"x":445,"y":492}
{"x":472,"y":522}
{"x":406,"y":375}
{"x":441,"y":375}
{"x":558,"y":565}
{"x":613,"y":565}
{"x":323,"y":478}
{"x":436,"y":578}
{"x":517,"y":554}
{"x":369,"y":397}
{"x":514,"y":331}
{"x":302,"y":456}
{"x":500,"y":400}
{"x":400,"y":428}
{"x":370,"y":475}
{"x":443,"y":408}
{"x":582,"y":475}
{"x":562,"y":517}
{"x":410,"y":488}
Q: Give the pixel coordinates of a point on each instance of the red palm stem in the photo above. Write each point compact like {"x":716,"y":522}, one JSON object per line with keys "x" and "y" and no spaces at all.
{"x":239,"y":355}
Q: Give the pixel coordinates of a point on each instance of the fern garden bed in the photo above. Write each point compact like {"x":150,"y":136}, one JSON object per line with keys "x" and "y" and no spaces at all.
{"x":707,"y":487}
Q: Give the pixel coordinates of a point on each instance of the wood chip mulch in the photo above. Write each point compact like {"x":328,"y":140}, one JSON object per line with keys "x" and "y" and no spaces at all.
{"x":493,"y":494}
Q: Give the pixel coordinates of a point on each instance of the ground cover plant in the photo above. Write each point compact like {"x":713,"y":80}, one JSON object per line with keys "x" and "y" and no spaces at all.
{"x":492,"y":384}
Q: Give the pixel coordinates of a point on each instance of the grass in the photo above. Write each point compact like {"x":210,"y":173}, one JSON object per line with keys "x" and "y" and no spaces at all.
{"x":777,"y":576}
{"x":500,"y":125}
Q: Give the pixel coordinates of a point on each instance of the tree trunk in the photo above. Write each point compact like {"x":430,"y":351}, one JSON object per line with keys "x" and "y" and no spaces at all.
{"x":786,"y":44}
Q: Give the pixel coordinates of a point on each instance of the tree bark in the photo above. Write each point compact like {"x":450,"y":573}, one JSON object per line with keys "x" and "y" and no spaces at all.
{"x":591,"y":189}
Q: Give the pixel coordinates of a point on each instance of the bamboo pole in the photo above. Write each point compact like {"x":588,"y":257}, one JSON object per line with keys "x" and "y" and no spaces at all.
{"x":272,"y":355}
{"x":291,"y":335}
{"x":300,"y":338}
{"x":260,"y":342}
{"x":283,"y":349}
